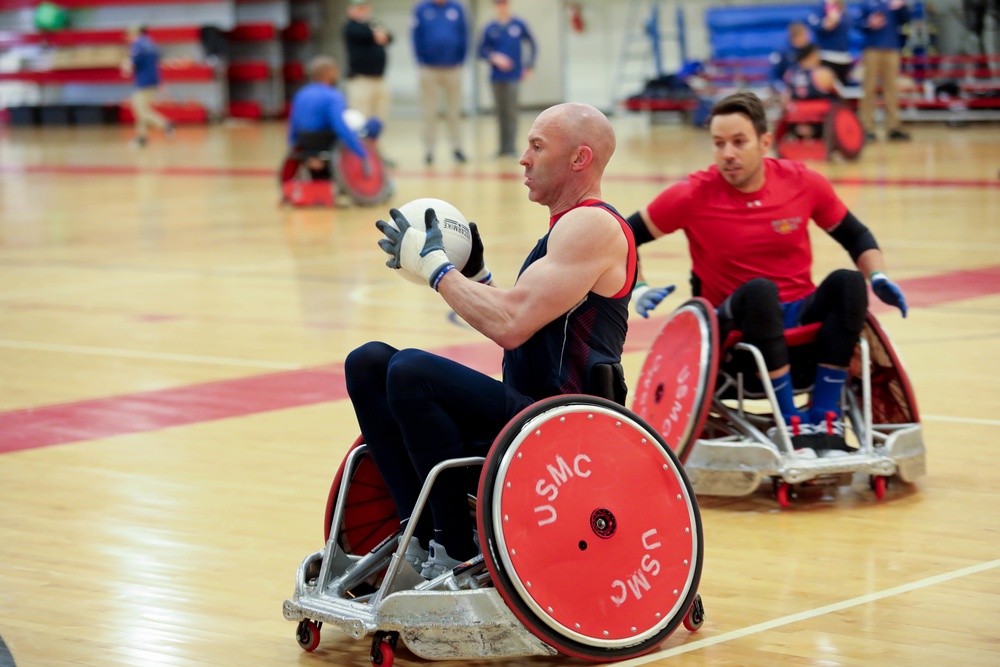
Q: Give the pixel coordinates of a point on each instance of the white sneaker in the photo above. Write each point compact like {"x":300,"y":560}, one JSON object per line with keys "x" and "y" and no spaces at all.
{"x":796,"y":427}
{"x":415,"y":554}
{"x":438,"y":563}
{"x":805,"y":453}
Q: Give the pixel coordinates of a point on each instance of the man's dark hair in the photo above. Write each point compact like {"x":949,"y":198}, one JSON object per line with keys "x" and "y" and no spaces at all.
{"x":805,"y":52}
{"x":747,"y":104}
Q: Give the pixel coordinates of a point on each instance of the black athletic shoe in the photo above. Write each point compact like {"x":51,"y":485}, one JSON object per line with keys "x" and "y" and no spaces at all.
{"x":428,"y":159}
{"x":460,"y":157}
{"x":898,"y":135}
{"x":870,"y":136}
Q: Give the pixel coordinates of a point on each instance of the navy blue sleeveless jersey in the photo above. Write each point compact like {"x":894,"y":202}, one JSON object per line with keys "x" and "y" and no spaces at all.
{"x":800,"y":82}
{"x":559,"y":357}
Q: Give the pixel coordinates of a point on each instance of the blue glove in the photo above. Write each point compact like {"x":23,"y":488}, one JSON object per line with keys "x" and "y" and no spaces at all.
{"x":888,"y":291}
{"x":646,"y":298}
{"x":420,"y":253}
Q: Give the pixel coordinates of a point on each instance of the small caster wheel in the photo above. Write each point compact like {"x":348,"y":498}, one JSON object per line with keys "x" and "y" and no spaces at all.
{"x":879,"y":484}
{"x":696,"y":614}
{"x":307,"y":634}
{"x":383,"y":650}
{"x":784,"y":493}
{"x":385,"y":655}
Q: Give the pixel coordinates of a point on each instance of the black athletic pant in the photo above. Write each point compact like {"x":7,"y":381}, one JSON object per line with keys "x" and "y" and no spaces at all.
{"x":417,"y":409}
{"x":840,"y":303}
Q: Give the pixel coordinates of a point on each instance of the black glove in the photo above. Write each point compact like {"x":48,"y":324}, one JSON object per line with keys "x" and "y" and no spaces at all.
{"x":475,"y":267}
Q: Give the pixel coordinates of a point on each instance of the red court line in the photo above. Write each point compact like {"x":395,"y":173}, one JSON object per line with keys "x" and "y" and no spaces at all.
{"x":155,"y":410}
{"x":119,"y":170}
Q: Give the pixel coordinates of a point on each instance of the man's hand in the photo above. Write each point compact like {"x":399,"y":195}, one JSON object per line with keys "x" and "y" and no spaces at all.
{"x":475,"y":268}
{"x":888,"y":291}
{"x":422,"y":254}
{"x":646,"y":298}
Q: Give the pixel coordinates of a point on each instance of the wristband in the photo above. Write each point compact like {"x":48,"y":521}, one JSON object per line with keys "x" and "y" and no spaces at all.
{"x":874,"y":274}
{"x":439,"y":274}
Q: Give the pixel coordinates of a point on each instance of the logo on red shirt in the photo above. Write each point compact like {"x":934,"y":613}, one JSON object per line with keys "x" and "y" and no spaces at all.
{"x":786,"y":225}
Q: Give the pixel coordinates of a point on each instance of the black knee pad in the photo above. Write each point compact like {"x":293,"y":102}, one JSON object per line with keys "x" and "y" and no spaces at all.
{"x":755,"y":309}
{"x":845,"y":296}
{"x":849,"y":294}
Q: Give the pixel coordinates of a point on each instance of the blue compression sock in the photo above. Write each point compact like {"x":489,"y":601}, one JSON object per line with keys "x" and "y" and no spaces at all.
{"x":786,"y":397}
{"x":826,"y":392}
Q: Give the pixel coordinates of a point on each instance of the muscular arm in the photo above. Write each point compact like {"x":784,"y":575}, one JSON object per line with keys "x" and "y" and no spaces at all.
{"x":587,"y":252}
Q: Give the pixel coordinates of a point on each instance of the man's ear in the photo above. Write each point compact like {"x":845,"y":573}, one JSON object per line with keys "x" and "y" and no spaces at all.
{"x":766,"y":140}
{"x":584,"y":156}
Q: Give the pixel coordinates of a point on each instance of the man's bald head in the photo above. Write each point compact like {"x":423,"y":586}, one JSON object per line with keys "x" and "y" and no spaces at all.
{"x":583,"y":125}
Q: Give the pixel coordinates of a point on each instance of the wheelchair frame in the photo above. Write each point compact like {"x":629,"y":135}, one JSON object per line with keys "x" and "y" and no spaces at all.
{"x":483,"y":608}
{"x":733,"y":456}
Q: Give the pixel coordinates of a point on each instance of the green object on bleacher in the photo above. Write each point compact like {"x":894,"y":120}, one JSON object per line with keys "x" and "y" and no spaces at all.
{"x":50,"y":16}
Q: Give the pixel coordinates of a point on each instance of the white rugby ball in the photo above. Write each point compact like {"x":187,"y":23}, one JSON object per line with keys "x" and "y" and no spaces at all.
{"x":454,"y":230}
{"x":355,"y":120}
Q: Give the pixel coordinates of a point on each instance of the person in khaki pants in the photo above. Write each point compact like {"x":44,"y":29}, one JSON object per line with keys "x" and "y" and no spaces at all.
{"x":143,"y":64}
{"x":440,"y":36}
{"x":881,"y":22}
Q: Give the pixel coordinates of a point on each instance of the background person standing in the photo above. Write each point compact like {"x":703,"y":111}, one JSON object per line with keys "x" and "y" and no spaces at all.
{"x":143,"y":64}
{"x":502,"y":45}
{"x":440,"y":42}
{"x":881,"y":23}
{"x":366,"y":42}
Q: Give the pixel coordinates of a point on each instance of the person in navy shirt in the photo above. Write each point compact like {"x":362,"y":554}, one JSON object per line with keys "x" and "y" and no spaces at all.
{"x":440,"y":37}
{"x":502,"y":45}
{"x":832,"y":26}
{"x":881,"y":23}
{"x":316,"y":120}
{"x":143,"y":64}
{"x":798,"y":36}
{"x":566,"y":314}
{"x":809,"y":79}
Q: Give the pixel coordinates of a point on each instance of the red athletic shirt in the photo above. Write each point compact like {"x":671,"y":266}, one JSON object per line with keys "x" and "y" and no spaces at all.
{"x":734,"y":236}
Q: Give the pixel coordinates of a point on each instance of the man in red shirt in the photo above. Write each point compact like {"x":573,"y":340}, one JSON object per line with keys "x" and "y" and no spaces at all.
{"x":745,"y":219}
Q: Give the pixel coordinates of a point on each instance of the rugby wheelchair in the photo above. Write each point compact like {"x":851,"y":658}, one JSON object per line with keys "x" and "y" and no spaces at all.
{"x":313,"y":174}
{"x":591,"y":545}
{"x":816,"y":129}
{"x":715,"y":406}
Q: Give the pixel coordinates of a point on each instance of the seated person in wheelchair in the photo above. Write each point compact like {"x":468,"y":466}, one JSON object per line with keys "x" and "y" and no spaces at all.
{"x":745,"y":220}
{"x":564,"y":319}
{"x":781,"y":61}
{"x":809,"y":80}
{"x":316,"y":120}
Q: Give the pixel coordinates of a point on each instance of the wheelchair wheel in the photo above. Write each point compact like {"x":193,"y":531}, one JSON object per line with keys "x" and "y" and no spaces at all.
{"x":844,"y":132}
{"x":893,"y":399}
{"x":590,"y":528}
{"x":369,"y":515}
{"x":366,"y":190}
{"x":675,"y":387}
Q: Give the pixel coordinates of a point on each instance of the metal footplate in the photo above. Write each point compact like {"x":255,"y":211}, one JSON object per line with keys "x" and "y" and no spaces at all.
{"x":905,"y":446}
{"x":435,"y":625}
{"x":734,"y":467}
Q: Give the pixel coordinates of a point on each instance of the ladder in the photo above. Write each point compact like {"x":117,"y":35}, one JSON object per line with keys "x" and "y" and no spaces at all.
{"x":641,"y":57}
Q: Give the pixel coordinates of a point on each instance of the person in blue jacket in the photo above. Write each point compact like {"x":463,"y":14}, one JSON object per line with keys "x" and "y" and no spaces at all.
{"x":781,"y":61}
{"x":502,"y":45}
{"x":143,"y":64}
{"x":440,"y":42}
{"x":832,"y":26}
{"x":316,"y":119}
{"x":881,"y":23}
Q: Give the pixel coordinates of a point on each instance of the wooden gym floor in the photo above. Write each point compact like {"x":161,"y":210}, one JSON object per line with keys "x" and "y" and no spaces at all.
{"x":172,"y":407}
